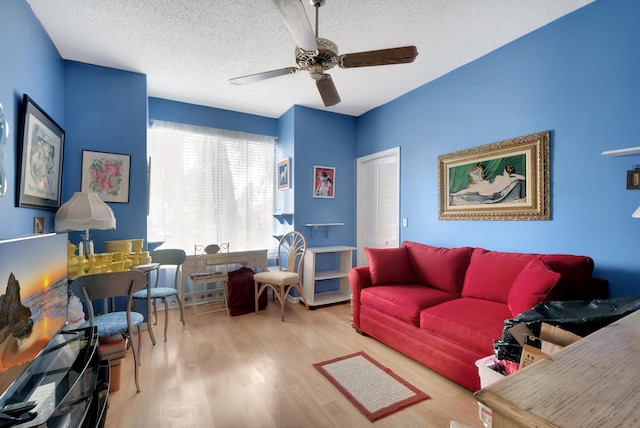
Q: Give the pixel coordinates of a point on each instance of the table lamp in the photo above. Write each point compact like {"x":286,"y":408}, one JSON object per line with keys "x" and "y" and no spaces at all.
{"x":84,"y":211}
{"x":636,"y":213}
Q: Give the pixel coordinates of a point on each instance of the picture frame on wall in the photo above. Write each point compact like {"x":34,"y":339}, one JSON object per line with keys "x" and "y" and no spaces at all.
{"x":106,"y":174}
{"x":41,"y":145}
{"x":507,"y":180}
{"x":283,"y":174}
{"x":38,"y":225}
{"x":324,"y":181}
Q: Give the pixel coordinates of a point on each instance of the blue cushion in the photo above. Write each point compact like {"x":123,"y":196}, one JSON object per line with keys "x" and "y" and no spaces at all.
{"x":156,"y":293}
{"x":114,"y":323}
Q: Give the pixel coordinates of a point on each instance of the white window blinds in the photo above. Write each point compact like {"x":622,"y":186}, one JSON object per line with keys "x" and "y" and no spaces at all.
{"x":210,"y":186}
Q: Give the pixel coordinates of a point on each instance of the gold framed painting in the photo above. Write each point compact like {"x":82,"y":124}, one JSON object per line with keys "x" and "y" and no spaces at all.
{"x":507,"y":180}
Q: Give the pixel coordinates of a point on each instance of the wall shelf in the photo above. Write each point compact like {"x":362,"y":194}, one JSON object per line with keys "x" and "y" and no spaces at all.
{"x":284,"y":218}
{"x":325,"y":226}
{"x":622,"y":152}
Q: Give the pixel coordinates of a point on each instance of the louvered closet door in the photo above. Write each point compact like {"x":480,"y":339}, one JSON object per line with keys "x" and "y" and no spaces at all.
{"x":378,"y":201}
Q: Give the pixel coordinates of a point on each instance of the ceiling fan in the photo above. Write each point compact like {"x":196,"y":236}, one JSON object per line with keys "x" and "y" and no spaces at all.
{"x":316,"y":55}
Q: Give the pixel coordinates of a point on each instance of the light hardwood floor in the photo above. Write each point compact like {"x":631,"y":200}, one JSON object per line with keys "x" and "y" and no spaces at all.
{"x":255,"y":371}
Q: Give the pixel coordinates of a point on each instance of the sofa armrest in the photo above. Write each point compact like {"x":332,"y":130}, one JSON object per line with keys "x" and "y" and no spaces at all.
{"x":360,"y":278}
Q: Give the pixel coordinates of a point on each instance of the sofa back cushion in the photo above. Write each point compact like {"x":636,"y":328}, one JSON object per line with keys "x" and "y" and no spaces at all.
{"x":389,"y":266}
{"x":531,"y":286}
{"x":491,"y":274}
{"x":441,"y":268}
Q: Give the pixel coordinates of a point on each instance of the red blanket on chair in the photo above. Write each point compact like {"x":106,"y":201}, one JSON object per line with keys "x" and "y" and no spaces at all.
{"x":242,"y":293}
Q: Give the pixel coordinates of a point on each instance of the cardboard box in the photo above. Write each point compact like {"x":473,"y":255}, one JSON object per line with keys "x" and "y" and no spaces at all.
{"x":552,"y":339}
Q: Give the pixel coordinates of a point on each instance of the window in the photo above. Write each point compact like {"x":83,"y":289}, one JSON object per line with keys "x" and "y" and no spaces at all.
{"x":210,"y":186}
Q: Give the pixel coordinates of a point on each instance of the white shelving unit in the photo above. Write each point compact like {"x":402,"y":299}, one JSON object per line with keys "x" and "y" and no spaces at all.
{"x":311,"y":276}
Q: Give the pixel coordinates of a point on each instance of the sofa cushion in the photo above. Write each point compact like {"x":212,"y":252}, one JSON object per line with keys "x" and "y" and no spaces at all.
{"x":403,"y":301}
{"x":491,"y":273}
{"x":389,"y":266}
{"x":442,"y":268}
{"x":472,"y":323}
{"x":531,"y":286}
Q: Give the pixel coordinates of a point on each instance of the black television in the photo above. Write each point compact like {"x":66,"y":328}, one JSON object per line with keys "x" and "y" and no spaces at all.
{"x":33,"y":299}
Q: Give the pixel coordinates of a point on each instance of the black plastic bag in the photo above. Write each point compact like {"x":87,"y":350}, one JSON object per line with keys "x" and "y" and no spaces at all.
{"x":581,"y":317}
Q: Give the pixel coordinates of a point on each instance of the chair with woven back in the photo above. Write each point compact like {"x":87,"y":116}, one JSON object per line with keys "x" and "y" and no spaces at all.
{"x":105,"y":286}
{"x":291,"y":250}
{"x":165,"y":257}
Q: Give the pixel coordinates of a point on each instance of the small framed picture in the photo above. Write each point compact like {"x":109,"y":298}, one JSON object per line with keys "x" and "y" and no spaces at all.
{"x":324,"y":181}
{"x":38,"y":225}
{"x":633,"y":179}
{"x":106,"y":174}
{"x":283,"y":174}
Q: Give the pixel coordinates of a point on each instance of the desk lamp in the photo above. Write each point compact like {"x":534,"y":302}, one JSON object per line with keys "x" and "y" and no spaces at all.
{"x":84,"y":211}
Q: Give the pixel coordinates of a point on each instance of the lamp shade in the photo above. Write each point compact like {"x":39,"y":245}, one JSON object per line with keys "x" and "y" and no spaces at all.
{"x":636,"y":213}
{"x":84,"y":211}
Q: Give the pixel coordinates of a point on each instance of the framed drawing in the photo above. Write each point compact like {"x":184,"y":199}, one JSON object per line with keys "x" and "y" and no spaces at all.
{"x":283,"y":174}
{"x":106,"y":174}
{"x":508,"y":180}
{"x":633,"y":179}
{"x":38,"y":225}
{"x":324,"y":181}
{"x":40,"y":158}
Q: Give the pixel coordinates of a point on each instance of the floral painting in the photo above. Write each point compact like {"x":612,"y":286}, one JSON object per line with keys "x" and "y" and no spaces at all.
{"x":106,"y":174}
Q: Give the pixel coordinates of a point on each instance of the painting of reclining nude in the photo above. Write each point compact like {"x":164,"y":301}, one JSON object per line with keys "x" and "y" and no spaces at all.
{"x":508,"y":180}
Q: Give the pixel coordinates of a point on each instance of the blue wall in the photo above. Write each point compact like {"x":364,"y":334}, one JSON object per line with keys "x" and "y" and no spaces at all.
{"x":575,"y":77}
{"x":578,"y":78}
{"x":106,"y":111}
{"x":30,"y":64}
{"x":173,"y":111}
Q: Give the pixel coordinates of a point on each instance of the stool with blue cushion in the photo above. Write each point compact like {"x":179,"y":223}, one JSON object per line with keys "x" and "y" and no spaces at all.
{"x":103,"y":286}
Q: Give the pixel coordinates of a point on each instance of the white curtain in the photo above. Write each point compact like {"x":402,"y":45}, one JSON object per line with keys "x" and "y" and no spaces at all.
{"x":210,"y":186}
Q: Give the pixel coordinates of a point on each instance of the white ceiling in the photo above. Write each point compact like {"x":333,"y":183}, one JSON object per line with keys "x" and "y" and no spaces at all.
{"x":189,"y":49}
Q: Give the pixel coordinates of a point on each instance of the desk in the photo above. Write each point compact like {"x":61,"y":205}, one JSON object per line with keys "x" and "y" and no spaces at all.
{"x":252,"y":259}
{"x":590,"y":383}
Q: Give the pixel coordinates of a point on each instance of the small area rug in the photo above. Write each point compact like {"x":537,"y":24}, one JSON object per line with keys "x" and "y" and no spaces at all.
{"x":372,"y":388}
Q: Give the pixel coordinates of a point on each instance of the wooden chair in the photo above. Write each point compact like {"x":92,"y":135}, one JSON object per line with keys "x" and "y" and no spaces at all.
{"x":104,"y":286}
{"x":291,"y":250}
{"x":165,"y":257}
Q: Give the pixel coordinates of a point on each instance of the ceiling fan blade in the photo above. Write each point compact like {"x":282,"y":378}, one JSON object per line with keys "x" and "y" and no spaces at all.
{"x":402,"y":55}
{"x":296,"y":20}
{"x":328,"y":90}
{"x":262,"y":76}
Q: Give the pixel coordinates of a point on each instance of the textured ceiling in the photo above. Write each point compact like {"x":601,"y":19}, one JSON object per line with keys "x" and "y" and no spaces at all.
{"x":189,"y":49}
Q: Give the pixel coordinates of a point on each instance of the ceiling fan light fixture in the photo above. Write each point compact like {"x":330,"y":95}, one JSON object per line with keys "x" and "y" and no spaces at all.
{"x":317,"y":55}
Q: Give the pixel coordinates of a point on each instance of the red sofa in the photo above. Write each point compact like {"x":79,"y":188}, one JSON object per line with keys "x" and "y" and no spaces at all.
{"x":444,"y":307}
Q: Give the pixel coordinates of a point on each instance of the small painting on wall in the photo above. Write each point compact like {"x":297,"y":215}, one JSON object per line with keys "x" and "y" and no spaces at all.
{"x":106,"y":174}
{"x":283,"y":174}
{"x":324,"y":181}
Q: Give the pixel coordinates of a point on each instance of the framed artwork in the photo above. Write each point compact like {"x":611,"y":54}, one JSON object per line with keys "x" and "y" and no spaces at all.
{"x":324,"y":181}
{"x":633,"y":179}
{"x":508,"y":180}
{"x":38,"y":225}
{"x":283,"y":173}
{"x":40,"y":158}
{"x":106,"y":174}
